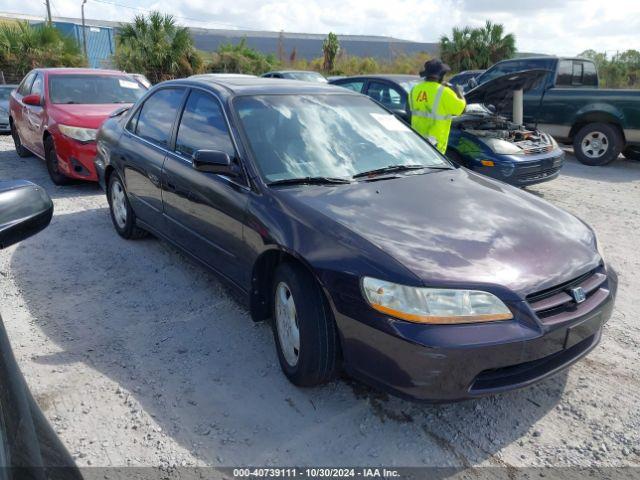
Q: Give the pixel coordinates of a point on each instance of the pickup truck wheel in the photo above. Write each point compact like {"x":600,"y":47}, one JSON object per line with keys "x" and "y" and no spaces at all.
{"x":51,"y":159}
{"x":597,"y":144}
{"x":632,"y":153}
{"x":20,"y":149}
{"x":303,"y":327}
{"x":122,"y":215}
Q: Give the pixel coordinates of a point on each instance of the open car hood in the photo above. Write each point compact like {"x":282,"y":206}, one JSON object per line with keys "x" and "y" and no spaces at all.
{"x":499,"y":91}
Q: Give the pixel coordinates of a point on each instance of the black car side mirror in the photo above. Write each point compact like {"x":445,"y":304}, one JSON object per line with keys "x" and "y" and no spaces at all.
{"x":25,"y":209}
{"x":213,"y":161}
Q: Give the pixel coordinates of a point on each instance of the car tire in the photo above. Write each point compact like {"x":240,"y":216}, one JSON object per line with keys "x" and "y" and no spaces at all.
{"x":631,"y":153}
{"x":20,"y":149}
{"x":300,"y":310}
{"x":51,"y":159}
{"x":122,"y":215}
{"x":598,"y":144}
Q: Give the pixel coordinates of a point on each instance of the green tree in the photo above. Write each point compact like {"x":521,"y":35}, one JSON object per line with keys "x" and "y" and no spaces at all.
{"x":241,"y":58}
{"x":157,"y":47}
{"x":330,"y":48}
{"x":23,"y":47}
{"x":621,"y":70}
{"x":475,"y":48}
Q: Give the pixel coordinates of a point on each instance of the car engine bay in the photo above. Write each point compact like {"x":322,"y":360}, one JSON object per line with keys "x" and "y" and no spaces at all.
{"x":482,"y":123}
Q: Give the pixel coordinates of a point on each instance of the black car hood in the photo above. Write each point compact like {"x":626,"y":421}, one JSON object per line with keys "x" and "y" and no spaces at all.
{"x":457,"y":227}
{"x":499,"y":91}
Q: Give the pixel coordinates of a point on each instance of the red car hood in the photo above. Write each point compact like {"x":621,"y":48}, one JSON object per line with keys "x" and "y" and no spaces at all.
{"x":87,"y":116}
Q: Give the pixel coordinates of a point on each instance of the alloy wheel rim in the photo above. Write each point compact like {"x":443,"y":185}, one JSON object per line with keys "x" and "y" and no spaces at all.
{"x":595,"y":144}
{"x":118,"y":204}
{"x":287,"y":324}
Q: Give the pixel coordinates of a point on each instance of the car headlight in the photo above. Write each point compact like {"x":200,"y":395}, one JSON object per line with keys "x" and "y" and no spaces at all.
{"x":79,"y":133}
{"x":501,"y":147}
{"x":433,"y":305}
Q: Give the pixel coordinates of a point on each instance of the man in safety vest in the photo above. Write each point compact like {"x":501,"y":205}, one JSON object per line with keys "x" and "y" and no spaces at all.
{"x":434,"y":103}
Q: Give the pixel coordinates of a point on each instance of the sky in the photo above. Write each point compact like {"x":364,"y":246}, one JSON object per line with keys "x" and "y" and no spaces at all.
{"x":561,"y":27}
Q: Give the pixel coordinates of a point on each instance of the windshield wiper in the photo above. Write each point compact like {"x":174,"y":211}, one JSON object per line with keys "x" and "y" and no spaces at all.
{"x":310,"y":181}
{"x":397,"y":168}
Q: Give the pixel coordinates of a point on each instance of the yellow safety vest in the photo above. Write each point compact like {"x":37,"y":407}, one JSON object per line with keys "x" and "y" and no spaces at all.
{"x":432,"y":107}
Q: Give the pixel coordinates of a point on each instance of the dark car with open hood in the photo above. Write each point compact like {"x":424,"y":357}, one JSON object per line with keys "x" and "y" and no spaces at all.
{"x":366,"y":248}
{"x":29,"y":448}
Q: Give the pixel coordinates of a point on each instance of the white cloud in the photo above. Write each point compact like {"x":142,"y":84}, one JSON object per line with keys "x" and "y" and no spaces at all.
{"x":548,"y":26}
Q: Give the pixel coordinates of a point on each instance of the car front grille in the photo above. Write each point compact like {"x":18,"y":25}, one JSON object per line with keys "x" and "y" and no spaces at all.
{"x":555,"y":304}
{"x":539,"y":149}
{"x":537,"y":175}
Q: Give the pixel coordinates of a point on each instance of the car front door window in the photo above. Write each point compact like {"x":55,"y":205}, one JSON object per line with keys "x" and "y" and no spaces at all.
{"x":203,"y":127}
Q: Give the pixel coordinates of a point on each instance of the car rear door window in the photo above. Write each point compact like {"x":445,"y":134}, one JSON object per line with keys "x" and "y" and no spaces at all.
{"x":156,"y":117}
{"x":355,"y":86}
{"x":589,"y":75}
{"x":203,"y":126}
{"x":386,"y":94}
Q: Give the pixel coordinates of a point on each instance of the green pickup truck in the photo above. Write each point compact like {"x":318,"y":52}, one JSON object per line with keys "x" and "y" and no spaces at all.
{"x":600,"y":123}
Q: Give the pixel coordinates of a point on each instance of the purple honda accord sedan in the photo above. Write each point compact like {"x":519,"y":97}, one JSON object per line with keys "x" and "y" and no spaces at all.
{"x":366,"y":248}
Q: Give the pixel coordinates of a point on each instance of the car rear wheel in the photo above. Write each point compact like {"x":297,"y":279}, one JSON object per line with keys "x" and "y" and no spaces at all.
{"x":597,"y":144}
{"x":122,"y":215}
{"x":303,"y":327}
{"x":20,"y":149}
{"x":51,"y":159}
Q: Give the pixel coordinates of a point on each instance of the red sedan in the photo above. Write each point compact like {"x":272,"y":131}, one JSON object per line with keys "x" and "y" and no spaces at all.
{"x":55,"y":114}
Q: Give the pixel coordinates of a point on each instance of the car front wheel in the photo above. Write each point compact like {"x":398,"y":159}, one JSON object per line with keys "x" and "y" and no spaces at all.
{"x":53,"y":167}
{"x":598,"y":144}
{"x":303,"y":327}
{"x":122,"y":215}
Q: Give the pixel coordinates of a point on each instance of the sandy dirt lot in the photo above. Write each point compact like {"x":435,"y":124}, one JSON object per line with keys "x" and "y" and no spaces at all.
{"x":140,"y":357}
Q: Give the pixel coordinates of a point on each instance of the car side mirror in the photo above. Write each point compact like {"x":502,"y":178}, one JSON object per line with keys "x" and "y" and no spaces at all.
{"x":25,"y":209}
{"x":34,"y":100}
{"x":213,"y":161}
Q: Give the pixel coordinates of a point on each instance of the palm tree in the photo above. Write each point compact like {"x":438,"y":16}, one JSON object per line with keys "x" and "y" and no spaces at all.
{"x":474,"y":48}
{"x":459,"y":51}
{"x":494,"y":44}
{"x":156,"y":46}
{"x":23,"y":47}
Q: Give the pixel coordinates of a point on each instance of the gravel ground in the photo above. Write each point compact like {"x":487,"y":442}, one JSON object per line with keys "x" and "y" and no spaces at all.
{"x":140,"y":357}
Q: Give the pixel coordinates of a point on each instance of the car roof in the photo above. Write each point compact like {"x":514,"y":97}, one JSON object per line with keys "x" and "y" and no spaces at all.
{"x":394,"y":77}
{"x":80,"y":71}
{"x":259,"y":85}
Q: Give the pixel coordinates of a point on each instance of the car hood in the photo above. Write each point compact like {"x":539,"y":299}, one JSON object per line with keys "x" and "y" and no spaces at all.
{"x":499,"y":91}
{"x":453,"y":228}
{"x":87,"y":116}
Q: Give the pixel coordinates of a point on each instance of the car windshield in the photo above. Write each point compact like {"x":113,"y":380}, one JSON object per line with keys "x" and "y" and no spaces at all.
{"x":94,"y":89}
{"x":5,"y":92}
{"x":337,"y":136}
{"x":308,"y":76}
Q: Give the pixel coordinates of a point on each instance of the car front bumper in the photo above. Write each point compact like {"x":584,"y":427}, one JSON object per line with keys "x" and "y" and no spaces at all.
{"x":446,"y":363}
{"x":524,"y":170}
{"x":75,"y":159}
